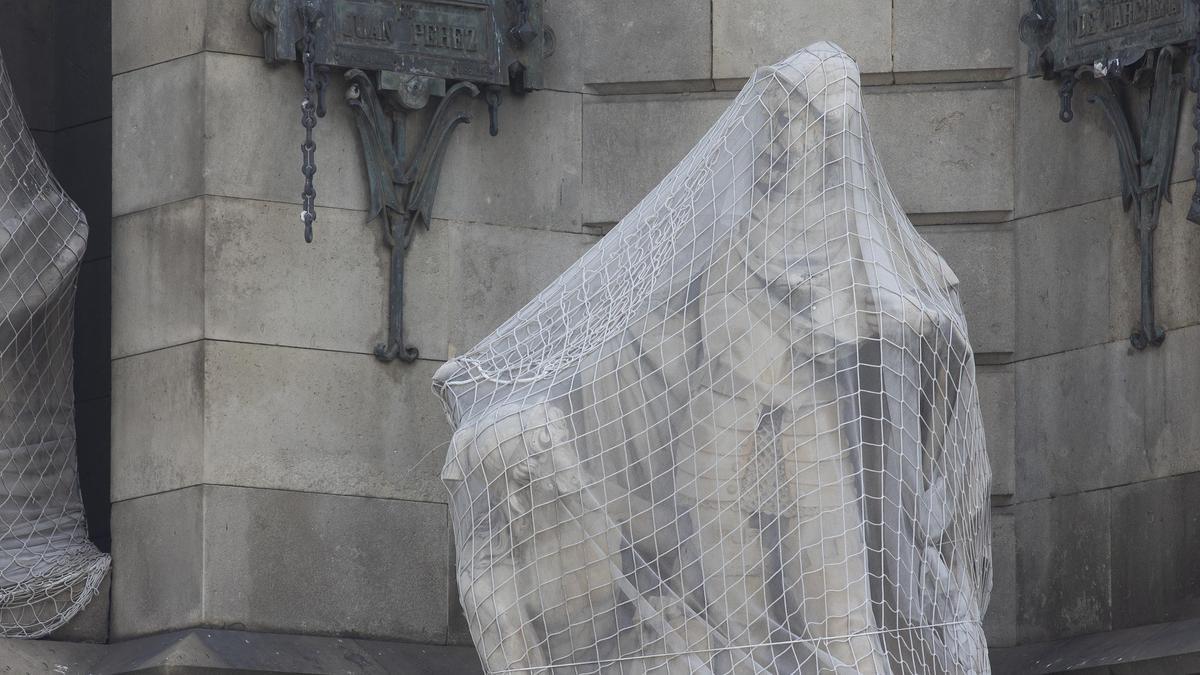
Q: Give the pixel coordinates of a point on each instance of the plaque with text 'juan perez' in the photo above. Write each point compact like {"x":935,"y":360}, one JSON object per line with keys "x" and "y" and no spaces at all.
{"x":476,"y":40}
{"x":1087,"y":32}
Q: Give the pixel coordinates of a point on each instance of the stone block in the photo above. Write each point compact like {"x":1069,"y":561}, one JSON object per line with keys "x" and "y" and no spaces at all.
{"x":497,"y":271}
{"x":158,"y":134}
{"x":147,"y":32}
{"x":322,"y":421}
{"x":243,"y":652}
{"x":996,"y":399}
{"x":1063,"y":279}
{"x":963,"y":136}
{"x":1176,"y":267}
{"x":254,"y":279}
{"x":635,"y":41}
{"x":1083,"y":419}
{"x":1061,"y":164}
{"x":264,"y":285}
{"x":1156,"y":649}
{"x":527,"y":176}
{"x":946,"y":148}
{"x":1066,"y":165}
{"x":157,"y":422}
{"x":1176,"y":441}
{"x":564,"y":68}
{"x":158,"y":274}
{"x":49,"y":656}
{"x":252,"y":136}
{"x":1177,"y":261}
{"x":239,"y":269}
{"x":1063,"y":566}
{"x":151,"y":31}
{"x":282,"y":561}
{"x":91,"y":623}
{"x":1085,"y":262}
{"x":942,"y":35}
{"x":1155,"y":546}
{"x":630,"y":143}
{"x":1000,"y":622}
{"x":158,"y":563}
{"x":201,"y":413}
{"x":294,"y":562}
{"x":227,"y":28}
{"x":983,"y":259}
{"x":752,"y":33}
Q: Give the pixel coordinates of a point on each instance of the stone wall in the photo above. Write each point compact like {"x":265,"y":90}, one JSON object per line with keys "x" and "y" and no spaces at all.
{"x":269,"y":474}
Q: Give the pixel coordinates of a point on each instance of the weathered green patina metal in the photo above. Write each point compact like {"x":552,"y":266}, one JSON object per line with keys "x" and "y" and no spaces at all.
{"x":1126,"y":45}
{"x":399,"y":54}
{"x":1063,"y":35}
{"x":487,"y":42}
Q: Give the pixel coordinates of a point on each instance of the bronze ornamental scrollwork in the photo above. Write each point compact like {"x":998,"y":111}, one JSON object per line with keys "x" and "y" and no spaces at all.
{"x":1126,"y":46}
{"x":398,"y":55}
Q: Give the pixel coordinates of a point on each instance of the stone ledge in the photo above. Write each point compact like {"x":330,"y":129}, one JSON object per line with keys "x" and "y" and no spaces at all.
{"x":201,"y":650}
{"x":1165,"y":647}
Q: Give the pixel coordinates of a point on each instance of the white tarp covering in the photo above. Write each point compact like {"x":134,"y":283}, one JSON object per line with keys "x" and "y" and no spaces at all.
{"x":48,"y":568}
{"x":742,"y":434}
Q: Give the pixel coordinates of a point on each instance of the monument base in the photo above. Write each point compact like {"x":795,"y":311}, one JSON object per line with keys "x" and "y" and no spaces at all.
{"x":1158,"y":648}
{"x":203,"y":650}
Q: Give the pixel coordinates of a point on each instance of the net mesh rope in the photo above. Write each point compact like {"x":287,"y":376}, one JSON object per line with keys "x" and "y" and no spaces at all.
{"x":48,"y":568}
{"x":742,"y":433}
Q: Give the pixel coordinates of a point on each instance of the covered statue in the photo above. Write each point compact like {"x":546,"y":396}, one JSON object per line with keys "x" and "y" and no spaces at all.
{"x":49,"y":569}
{"x":742,"y":433}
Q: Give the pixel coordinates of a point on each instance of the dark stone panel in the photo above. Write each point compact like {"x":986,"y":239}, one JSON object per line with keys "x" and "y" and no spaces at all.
{"x":82,"y":162}
{"x":93,"y":331}
{"x":82,"y":61}
{"x":1156,"y":551}
{"x":319,"y":564}
{"x":1063,"y":566}
{"x":27,"y":42}
{"x":92,"y":423}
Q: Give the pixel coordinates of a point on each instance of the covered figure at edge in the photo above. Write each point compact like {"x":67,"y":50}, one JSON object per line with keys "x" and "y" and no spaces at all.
{"x":742,"y":433}
{"x":49,"y":569}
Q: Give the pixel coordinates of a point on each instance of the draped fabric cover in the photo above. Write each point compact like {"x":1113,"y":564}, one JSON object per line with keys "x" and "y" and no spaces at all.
{"x":48,"y":568}
{"x":742,"y":433}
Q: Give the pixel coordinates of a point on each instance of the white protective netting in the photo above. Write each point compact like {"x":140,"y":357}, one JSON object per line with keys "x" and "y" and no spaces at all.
{"x":741,"y":434}
{"x":48,"y":568}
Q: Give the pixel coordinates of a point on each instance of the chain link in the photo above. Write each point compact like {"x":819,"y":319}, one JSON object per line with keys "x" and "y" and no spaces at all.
{"x":312,"y":106}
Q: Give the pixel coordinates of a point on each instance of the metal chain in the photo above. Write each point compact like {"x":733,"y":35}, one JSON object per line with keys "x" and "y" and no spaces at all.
{"x":312,"y":106}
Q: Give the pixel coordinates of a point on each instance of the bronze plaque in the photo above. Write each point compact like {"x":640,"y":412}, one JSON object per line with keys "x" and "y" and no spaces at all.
{"x":472,"y":40}
{"x":1107,"y":32}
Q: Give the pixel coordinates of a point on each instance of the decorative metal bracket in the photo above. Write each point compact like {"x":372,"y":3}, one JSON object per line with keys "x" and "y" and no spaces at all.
{"x":398,"y":54}
{"x":402,"y":192}
{"x":1126,"y":46}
